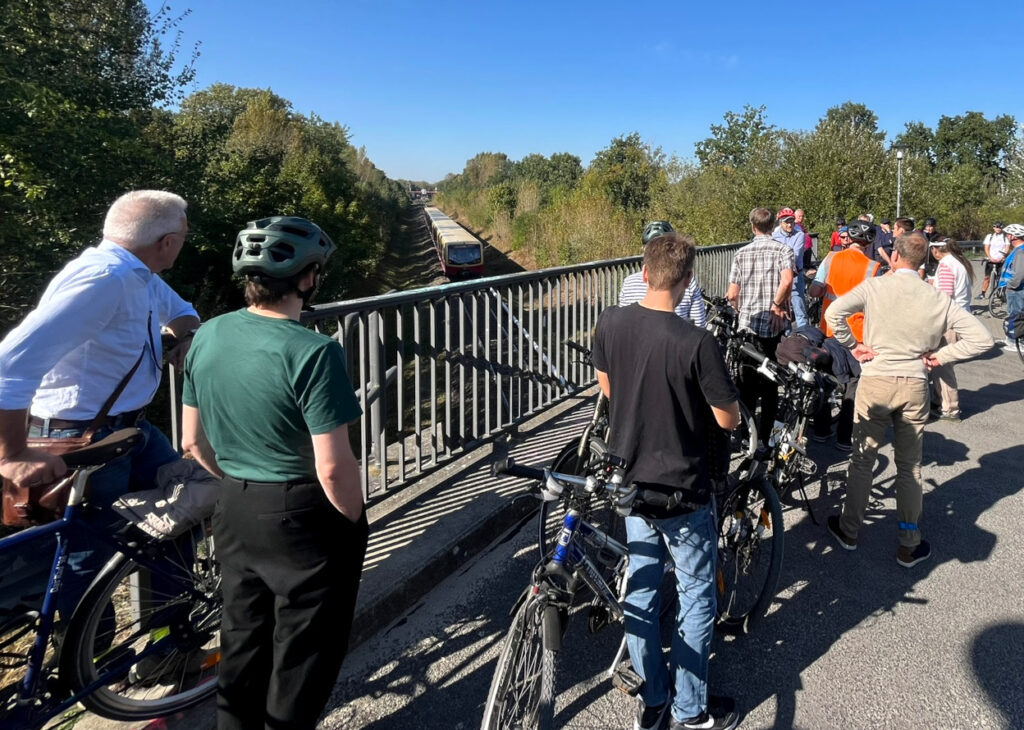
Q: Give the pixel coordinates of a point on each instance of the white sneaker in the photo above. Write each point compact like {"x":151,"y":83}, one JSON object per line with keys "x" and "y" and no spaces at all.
{"x":1010,"y":343}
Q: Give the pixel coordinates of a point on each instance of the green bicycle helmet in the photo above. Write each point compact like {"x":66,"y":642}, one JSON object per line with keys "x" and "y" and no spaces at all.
{"x":280,"y":247}
{"x":655,"y":229}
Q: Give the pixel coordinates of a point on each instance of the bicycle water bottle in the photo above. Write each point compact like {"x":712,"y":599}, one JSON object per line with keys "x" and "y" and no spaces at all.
{"x":777,"y":429}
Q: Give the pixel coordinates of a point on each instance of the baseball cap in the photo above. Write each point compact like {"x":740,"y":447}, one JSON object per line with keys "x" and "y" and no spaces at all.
{"x":886,"y":221}
{"x":844,"y":229}
{"x":997,"y":224}
{"x":786,"y":213}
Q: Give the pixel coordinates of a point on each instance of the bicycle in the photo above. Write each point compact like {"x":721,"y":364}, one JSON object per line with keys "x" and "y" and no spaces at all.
{"x":997,"y":302}
{"x":130,"y":650}
{"x":522,"y":691}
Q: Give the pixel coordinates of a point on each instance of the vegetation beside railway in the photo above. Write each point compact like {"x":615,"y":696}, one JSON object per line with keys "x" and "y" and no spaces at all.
{"x":94,"y":103}
{"x":966,"y":172}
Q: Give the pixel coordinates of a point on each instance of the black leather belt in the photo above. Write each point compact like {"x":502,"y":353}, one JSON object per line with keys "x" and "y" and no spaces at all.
{"x":290,"y":483}
{"x":128,"y":418}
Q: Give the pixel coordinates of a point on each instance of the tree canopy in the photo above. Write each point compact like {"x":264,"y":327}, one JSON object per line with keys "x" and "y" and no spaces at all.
{"x":85,"y":96}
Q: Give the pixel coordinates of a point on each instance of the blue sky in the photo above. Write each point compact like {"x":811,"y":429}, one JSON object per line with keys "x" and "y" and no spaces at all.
{"x":425,"y":86}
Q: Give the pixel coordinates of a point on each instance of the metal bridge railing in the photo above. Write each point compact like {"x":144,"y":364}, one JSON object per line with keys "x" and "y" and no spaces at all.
{"x":439,"y":370}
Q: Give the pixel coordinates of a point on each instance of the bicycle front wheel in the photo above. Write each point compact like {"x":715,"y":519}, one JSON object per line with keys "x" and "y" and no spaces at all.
{"x":750,"y":530}
{"x":522,"y":694}
{"x":154,"y":639}
{"x":997,"y":303}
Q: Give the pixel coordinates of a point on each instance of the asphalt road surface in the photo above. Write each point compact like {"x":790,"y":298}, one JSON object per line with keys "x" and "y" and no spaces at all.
{"x":852,"y":641}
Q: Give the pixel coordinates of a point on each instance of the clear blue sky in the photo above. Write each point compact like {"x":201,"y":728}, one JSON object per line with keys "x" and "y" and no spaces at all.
{"x":424,"y":86}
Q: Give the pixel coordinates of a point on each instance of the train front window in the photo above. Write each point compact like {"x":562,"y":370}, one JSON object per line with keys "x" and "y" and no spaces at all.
{"x":467,"y":255}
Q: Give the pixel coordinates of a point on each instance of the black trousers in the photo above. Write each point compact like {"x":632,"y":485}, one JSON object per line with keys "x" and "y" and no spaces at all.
{"x":290,"y":564}
{"x":844,"y":426}
{"x":752,"y":385}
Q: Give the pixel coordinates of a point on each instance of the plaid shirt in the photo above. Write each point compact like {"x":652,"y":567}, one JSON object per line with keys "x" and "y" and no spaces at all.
{"x":757,"y":269}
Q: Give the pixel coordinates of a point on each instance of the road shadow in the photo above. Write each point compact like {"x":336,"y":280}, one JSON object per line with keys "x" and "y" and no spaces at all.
{"x":830,"y":592}
{"x":997,"y":654}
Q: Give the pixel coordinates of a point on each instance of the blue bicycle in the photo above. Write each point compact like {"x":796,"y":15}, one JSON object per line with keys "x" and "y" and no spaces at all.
{"x":144,"y":639}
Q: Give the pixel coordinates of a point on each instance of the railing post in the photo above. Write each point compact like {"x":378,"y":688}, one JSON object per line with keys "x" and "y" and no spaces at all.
{"x":377,"y":386}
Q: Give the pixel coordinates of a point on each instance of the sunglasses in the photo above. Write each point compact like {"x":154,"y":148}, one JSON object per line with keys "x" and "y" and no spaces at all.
{"x":844,"y":237}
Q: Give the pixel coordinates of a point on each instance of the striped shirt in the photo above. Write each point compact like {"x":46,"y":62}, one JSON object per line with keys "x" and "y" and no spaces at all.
{"x":757,"y":270}
{"x":691,"y":306}
{"x":951,"y":278}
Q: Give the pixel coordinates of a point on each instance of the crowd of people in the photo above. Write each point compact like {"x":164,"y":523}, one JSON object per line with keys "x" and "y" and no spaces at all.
{"x":665,"y":378}
{"x":267,"y":403}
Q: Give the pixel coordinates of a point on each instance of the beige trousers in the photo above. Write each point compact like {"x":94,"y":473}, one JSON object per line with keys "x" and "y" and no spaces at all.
{"x":884,"y":401}
{"x":944,"y":383}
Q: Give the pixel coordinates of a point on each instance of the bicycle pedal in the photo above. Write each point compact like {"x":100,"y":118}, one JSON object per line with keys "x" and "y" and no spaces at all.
{"x":806,"y":466}
{"x":598,"y":619}
{"x":627,"y":681}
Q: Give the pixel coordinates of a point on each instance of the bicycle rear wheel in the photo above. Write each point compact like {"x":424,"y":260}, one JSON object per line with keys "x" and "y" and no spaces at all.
{"x":997,"y":303}
{"x":522,"y":693}
{"x":750,"y":540}
{"x":161,"y":643}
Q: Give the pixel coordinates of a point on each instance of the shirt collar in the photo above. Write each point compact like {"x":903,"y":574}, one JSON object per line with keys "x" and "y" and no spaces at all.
{"x":127,"y":257}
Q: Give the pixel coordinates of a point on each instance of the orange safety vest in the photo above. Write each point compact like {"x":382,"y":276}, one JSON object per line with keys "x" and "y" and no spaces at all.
{"x":846,"y":270}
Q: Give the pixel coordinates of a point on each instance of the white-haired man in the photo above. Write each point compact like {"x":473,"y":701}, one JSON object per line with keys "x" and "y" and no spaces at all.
{"x":98,"y":320}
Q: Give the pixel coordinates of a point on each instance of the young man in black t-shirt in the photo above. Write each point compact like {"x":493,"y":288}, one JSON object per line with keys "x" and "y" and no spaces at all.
{"x":667,"y":384}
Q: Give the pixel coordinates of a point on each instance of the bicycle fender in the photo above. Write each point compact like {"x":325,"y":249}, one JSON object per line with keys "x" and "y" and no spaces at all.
{"x":519,"y":601}
{"x":553,"y":628}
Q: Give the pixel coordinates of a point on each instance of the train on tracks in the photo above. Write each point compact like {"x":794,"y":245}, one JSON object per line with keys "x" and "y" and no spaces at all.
{"x":460,"y":252}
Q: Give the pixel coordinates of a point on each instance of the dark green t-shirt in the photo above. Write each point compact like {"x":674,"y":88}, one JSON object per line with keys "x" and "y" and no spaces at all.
{"x":262,"y":387}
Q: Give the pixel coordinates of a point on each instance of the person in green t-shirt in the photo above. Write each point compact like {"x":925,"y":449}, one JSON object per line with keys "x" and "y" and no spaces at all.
{"x":267,"y":405}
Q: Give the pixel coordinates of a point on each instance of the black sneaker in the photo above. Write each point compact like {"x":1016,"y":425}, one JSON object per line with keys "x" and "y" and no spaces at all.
{"x":711,"y":719}
{"x":649,"y":718}
{"x":909,"y":557}
{"x":845,"y":542}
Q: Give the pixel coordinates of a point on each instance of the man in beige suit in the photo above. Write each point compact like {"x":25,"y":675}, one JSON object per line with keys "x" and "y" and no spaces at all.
{"x":897,"y":353}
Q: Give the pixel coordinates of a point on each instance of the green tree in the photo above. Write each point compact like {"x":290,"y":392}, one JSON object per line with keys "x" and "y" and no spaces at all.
{"x":629,"y":171}
{"x":970,"y":139}
{"x":732,"y":143}
{"x":856,"y":117}
{"x":80,"y":83}
{"x":916,"y":140}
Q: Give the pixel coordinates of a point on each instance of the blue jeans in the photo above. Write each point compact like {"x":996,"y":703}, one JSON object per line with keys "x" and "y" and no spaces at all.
{"x":134,"y":471}
{"x":799,"y":299}
{"x":1014,"y":302}
{"x":691,"y":541}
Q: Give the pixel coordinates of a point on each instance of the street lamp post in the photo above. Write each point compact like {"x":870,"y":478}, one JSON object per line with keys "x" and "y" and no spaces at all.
{"x":899,"y":179}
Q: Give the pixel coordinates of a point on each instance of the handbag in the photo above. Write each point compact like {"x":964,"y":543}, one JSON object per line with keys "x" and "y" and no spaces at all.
{"x":25,"y":506}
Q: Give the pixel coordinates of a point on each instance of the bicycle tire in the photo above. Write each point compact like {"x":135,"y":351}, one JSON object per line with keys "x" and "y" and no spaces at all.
{"x":522,"y":692}
{"x":750,"y":545}
{"x":109,"y":625}
{"x":997,"y":304}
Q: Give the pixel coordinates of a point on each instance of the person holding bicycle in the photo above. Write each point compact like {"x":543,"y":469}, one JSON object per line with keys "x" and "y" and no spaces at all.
{"x":267,"y":403}
{"x":996,"y":245}
{"x":1013,"y":276}
{"x":760,"y":281}
{"x":97,"y":329}
{"x":667,"y":384}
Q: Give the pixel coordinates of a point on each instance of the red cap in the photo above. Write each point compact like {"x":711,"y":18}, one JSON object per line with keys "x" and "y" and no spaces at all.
{"x":785,"y":213}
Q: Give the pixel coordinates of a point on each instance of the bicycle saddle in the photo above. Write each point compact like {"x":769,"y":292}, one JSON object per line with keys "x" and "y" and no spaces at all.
{"x":104,"y":450}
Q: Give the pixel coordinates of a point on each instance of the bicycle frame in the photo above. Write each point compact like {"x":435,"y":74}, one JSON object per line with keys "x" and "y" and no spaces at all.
{"x":29,"y":706}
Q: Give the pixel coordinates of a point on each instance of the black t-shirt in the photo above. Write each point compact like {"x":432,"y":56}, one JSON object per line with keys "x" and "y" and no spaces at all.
{"x":664,"y":373}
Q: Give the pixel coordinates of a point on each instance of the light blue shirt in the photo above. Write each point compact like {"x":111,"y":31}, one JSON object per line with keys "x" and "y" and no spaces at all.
{"x":68,"y":355}
{"x":795,"y":241}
